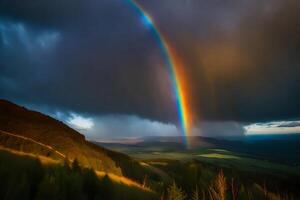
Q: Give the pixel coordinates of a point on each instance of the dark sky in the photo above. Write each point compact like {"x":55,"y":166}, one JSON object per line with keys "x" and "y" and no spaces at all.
{"x":98,"y":58}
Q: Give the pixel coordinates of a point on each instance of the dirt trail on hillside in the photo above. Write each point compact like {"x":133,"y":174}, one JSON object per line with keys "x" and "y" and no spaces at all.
{"x":35,"y":142}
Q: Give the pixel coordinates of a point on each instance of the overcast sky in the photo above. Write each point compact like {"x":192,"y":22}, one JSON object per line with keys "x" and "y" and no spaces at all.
{"x":97,"y":65}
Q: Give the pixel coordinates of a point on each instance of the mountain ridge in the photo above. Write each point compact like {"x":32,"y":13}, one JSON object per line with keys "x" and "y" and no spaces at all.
{"x":23,"y":123}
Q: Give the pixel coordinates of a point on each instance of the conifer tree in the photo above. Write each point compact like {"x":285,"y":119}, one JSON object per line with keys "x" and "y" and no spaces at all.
{"x":175,"y":193}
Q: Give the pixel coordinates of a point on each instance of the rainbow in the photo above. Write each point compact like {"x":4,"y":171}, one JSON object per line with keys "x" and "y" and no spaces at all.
{"x":175,"y":72}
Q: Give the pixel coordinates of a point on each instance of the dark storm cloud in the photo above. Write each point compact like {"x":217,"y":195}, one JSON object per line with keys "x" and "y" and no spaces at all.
{"x":219,"y":129}
{"x":85,"y":56}
{"x":242,"y":56}
{"x":96,"y":57}
{"x":113,"y":127}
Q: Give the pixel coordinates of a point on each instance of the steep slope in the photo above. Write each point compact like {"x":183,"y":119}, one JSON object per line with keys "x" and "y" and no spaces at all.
{"x":24,"y":176}
{"x":33,"y":132}
{"x":23,"y":144}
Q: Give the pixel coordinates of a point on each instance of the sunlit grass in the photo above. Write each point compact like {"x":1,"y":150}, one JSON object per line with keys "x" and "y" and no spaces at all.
{"x":220,"y":156}
{"x":43,"y":159}
{"x":122,"y":180}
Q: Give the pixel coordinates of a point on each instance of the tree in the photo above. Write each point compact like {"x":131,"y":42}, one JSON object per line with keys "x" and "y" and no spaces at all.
{"x":175,"y":193}
{"x":48,"y":189}
{"x":67,"y":164}
{"x":75,"y":166}
{"x":106,"y":186}
{"x":91,"y":183}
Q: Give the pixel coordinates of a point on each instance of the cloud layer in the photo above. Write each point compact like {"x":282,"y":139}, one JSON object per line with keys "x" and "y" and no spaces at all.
{"x":99,"y":58}
{"x":275,"y":127}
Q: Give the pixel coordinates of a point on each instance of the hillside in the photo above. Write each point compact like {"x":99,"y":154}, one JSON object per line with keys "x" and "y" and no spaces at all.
{"x":33,"y":132}
{"x":23,"y":176}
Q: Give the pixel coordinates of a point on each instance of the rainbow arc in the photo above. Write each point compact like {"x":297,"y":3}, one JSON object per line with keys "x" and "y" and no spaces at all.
{"x":175,"y":72}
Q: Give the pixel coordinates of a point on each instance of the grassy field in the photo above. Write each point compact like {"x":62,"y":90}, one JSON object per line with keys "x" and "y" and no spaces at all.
{"x":219,"y":157}
{"x":228,"y":159}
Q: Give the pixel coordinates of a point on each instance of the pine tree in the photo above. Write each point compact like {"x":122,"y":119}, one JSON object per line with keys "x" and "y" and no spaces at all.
{"x":75,"y":166}
{"x":175,"y":193}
